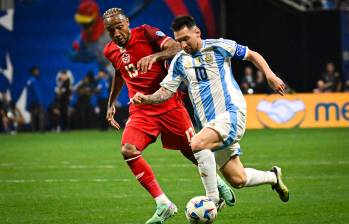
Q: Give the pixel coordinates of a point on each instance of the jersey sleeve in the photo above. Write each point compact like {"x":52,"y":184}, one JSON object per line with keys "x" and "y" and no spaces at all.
{"x":233,"y":49}
{"x":155,"y":36}
{"x":174,"y":76}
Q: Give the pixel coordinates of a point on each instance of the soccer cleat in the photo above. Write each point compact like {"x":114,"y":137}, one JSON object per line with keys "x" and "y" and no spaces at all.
{"x":220,"y":204}
{"x":162,"y":213}
{"x":280,"y":187}
{"x":226,"y":193}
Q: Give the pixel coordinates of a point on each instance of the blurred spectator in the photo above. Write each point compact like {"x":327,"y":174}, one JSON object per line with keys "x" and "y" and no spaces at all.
{"x":89,"y":45}
{"x":248,"y":82}
{"x":82,"y":108}
{"x":102,"y":95}
{"x":346,"y":86}
{"x":261,"y":85}
{"x":330,"y":80}
{"x":328,"y":4}
{"x":63,"y":89}
{"x":34,"y":101}
{"x":11,"y":118}
{"x":320,"y":87}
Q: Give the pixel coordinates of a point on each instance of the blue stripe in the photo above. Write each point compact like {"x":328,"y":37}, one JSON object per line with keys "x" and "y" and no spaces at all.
{"x":196,"y":114}
{"x":206,"y":97}
{"x":178,"y":69}
{"x":230,"y":107}
{"x":226,"y":54}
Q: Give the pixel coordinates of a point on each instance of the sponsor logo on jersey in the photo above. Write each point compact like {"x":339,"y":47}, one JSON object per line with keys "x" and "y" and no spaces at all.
{"x":281,"y":113}
{"x":160,"y":34}
{"x":125,"y":58}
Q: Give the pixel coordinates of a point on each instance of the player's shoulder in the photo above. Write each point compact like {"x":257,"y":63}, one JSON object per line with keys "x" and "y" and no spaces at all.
{"x":142,"y":28}
{"x":221,"y":42}
{"x":178,"y":58}
{"x":109,"y":49}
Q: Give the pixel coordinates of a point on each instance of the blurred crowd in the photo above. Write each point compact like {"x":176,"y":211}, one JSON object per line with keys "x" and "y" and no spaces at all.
{"x":83,"y":104}
{"x":80,"y":105}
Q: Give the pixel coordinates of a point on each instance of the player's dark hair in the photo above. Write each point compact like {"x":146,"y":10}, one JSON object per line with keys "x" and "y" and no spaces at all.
{"x":112,"y":12}
{"x":182,"y":21}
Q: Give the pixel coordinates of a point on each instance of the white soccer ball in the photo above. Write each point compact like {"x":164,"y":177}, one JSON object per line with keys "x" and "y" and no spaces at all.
{"x":201,"y":209}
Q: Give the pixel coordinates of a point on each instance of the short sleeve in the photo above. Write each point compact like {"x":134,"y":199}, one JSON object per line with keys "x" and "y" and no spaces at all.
{"x":233,"y":49}
{"x":155,"y":36}
{"x":174,"y":76}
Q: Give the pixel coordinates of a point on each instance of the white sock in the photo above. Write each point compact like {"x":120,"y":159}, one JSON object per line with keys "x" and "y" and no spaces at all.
{"x":162,"y":200}
{"x":208,"y":173}
{"x":256,"y":177}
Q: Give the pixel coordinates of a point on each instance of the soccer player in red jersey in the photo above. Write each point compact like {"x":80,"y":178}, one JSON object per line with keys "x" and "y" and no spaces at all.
{"x":138,"y":56}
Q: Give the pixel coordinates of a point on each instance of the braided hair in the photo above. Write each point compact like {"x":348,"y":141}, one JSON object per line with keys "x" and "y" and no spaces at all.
{"x":112,"y":12}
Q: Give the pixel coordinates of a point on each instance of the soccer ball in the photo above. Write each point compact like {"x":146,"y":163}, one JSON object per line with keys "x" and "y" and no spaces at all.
{"x":201,"y":209}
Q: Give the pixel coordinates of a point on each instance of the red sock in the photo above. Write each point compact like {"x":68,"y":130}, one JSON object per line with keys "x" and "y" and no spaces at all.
{"x":144,"y":174}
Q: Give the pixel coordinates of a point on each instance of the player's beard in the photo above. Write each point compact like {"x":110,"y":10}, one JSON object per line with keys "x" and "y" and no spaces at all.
{"x":188,"y":50}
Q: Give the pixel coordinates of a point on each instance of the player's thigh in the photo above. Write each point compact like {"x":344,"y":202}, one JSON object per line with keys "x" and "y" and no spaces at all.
{"x":177,"y":130}
{"x":140,"y":131}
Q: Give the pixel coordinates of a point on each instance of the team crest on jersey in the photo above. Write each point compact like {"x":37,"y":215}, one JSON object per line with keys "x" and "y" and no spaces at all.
{"x":208,"y":58}
{"x":125,"y":58}
{"x":160,"y":34}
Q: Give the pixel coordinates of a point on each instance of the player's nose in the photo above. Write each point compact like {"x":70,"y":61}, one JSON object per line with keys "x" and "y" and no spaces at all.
{"x":117,"y":33}
{"x":183,"y":44}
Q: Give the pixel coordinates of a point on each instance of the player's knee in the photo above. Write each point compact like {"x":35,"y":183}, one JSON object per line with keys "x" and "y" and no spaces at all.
{"x":129,"y":151}
{"x":197,"y":144}
{"x":237,"y":181}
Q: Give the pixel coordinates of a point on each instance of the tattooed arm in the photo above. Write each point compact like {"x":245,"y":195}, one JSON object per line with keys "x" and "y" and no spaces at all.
{"x":159,"y":96}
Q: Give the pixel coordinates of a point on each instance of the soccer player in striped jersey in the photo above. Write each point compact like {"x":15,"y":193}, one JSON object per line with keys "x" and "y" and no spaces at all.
{"x":138,"y":56}
{"x":219,"y":106}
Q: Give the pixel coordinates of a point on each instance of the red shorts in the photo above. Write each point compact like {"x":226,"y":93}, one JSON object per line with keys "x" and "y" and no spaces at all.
{"x":174,"y":126}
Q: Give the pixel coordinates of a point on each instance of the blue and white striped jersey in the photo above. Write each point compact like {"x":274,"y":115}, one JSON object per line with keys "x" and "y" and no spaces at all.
{"x":208,"y":74}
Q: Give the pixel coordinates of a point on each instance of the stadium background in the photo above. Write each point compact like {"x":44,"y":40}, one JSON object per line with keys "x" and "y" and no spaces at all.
{"x":296,"y":44}
{"x":79,"y":177}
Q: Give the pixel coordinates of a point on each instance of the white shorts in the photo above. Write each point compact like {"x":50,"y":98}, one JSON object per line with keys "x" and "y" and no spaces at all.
{"x":231,"y":127}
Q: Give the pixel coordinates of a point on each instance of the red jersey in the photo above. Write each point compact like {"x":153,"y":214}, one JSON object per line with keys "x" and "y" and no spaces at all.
{"x":144,"y":41}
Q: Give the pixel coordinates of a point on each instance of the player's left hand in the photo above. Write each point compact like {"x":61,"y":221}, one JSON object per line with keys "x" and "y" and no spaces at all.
{"x":276,"y":84}
{"x":138,"y":98}
{"x":145,"y":63}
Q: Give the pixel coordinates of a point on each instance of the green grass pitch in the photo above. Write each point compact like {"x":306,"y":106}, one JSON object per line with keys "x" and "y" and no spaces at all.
{"x":80,"y":177}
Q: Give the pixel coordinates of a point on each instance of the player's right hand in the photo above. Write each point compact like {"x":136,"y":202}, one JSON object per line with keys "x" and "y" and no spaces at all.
{"x":110,"y":117}
{"x":138,"y":98}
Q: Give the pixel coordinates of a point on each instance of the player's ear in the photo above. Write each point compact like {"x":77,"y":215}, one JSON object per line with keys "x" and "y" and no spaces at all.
{"x":197,"y":31}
